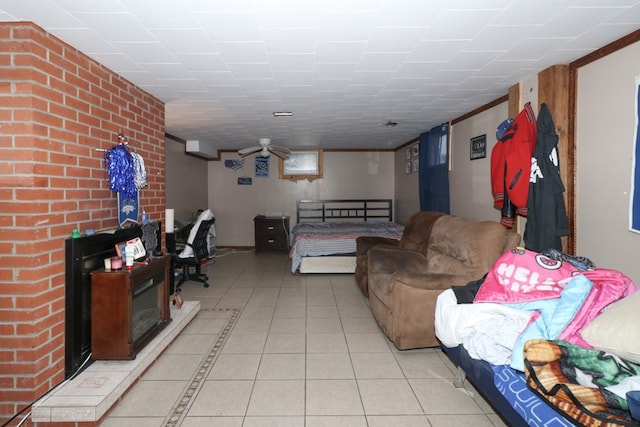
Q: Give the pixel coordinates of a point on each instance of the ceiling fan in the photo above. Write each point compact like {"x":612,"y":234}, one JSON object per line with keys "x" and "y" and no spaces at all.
{"x":265,"y":148}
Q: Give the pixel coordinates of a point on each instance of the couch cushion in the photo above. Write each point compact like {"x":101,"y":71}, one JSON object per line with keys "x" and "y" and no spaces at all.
{"x":415,"y":236}
{"x":462,"y":246}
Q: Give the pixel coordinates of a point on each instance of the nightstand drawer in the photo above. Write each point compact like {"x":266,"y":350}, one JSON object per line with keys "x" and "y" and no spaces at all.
{"x":271,"y":233}
{"x":272,"y":243}
{"x":271,"y":227}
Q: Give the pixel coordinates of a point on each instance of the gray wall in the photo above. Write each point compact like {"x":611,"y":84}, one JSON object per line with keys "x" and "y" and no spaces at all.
{"x":346,"y":175}
{"x":186,"y":183}
{"x":605,"y":133}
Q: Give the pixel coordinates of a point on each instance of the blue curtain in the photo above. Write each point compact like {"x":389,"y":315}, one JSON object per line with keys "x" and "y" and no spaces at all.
{"x":433,"y":171}
{"x":635,"y":193}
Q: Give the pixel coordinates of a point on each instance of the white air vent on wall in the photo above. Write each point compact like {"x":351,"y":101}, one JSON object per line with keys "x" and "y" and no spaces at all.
{"x":201,"y":149}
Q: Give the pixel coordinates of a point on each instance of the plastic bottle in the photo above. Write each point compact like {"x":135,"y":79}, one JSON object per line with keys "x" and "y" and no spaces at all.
{"x":144,"y":217}
{"x":128,"y":257}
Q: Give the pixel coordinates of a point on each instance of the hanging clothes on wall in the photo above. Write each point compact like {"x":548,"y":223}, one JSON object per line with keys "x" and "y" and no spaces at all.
{"x":511,"y":166}
{"x":547,"y":218}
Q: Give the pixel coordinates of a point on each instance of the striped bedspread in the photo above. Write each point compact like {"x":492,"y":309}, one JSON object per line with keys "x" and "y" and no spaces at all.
{"x":332,"y":238}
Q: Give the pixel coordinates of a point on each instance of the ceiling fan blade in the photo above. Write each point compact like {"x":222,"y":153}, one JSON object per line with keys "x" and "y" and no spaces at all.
{"x":282,"y":155}
{"x":280,"y":149}
{"x":247,"y":151}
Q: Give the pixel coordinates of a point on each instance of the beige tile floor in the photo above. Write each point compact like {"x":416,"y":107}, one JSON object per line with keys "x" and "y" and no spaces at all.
{"x":272,"y":348}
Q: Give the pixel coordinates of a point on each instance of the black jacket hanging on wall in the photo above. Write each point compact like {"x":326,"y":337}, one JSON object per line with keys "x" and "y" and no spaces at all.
{"x":547,"y":215}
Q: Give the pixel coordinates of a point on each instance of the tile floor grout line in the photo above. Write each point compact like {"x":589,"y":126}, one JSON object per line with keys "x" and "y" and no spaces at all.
{"x":185,"y":400}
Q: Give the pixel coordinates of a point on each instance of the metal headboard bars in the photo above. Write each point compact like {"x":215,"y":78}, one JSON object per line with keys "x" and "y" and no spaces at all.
{"x":327,"y":210}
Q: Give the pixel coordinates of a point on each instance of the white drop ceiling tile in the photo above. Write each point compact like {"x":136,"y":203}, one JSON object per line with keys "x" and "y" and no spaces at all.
{"x":118,"y":62}
{"x":166,"y":70}
{"x":258,"y":85}
{"x":171,"y":14}
{"x":628,"y":16}
{"x":221,"y":6}
{"x":335,"y":25}
{"x":593,"y":39}
{"x":435,"y":50}
{"x":250,"y":71}
{"x":404,"y":84}
{"x":215,"y":77}
{"x":47,"y":14}
{"x":291,"y":61}
{"x":465,"y":60}
{"x":202,"y":61}
{"x":574,"y":21}
{"x":418,"y":70}
{"x":116,"y":27}
{"x":534,"y":48}
{"x":228,"y":27}
{"x":90,"y":6}
{"x":343,"y":51}
{"x":226,"y":91}
{"x":408,"y":13}
{"x":459,"y":24}
{"x":288,"y":40}
{"x":381,"y":61}
{"x":394,"y":95}
{"x":334,"y":71}
{"x":505,"y":68}
{"x":183,"y":85}
{"x":242,"y":52}
{"x":500,"y":37}
{"x":371,"y":77}
{"x":285,"y":13}
{"x":293,"y":78}
{"x":85,"y":40}
{"x":355,"y":99}
{"x":532,"y":13}
{"x":335,"y":85}
{"x":146,"y":52}
{"x":393,"y":39}
{"x":189,"y":40}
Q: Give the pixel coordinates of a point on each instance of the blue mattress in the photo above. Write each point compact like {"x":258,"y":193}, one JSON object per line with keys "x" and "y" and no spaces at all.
{"x":535,"y":411}
{"x":507,"y":392}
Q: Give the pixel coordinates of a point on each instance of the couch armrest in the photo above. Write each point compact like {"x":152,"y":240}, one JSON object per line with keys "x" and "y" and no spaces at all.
{"x":430,"y":281}
{"x":364,"y":243}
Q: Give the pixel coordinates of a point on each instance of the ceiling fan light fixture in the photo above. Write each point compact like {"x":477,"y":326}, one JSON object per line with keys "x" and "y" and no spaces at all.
{"x":264,"y":152}
{"x":282,"y":114}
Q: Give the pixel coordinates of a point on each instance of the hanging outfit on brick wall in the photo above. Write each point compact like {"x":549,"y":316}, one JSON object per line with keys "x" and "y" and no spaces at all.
{"x":547,"y":215}
{"x":511,"y":166}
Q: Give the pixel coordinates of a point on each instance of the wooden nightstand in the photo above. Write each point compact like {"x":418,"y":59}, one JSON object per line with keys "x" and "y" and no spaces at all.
{"x":271,"y":233}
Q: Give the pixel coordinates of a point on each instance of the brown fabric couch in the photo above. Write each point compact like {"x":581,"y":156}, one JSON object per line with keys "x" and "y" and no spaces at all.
{"x":415,"y":237}
{"x":404,"y":284}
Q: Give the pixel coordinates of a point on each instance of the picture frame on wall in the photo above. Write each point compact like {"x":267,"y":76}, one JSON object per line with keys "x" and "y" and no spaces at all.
{"x":416,"y":165}
{"x":407,"y":167}
{"x":415,"y":150}
{"x":478,"y":147}
{"x":407,"y":153}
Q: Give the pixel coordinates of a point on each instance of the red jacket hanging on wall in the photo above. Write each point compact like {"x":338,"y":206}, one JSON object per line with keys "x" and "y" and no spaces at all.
{"x":511,"y":165}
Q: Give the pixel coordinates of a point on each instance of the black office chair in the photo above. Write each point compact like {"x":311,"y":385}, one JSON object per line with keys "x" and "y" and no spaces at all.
{"x":200,"y":256}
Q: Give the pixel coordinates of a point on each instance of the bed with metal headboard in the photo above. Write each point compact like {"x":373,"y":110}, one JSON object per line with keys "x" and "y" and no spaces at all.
{"x":324,"y":237}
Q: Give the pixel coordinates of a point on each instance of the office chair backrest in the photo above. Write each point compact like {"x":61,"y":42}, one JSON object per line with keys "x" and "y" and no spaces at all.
{"x":200,"y":243}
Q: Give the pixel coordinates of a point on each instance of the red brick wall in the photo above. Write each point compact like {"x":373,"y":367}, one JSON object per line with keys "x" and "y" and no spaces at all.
{"x":57,"y":107}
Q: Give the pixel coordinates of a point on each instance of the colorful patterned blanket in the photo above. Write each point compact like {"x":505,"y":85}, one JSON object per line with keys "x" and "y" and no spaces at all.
{"x":575,"y":379}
